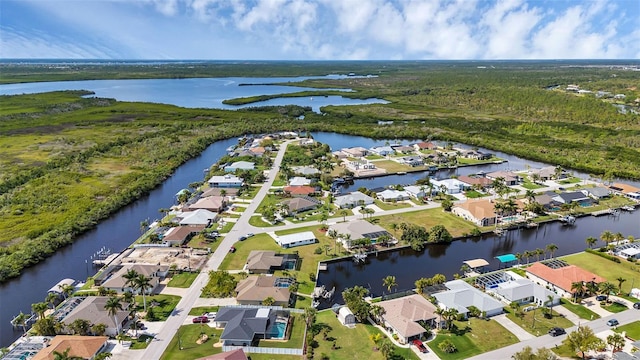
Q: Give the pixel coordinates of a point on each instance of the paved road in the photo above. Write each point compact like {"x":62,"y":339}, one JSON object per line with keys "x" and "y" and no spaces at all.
{"x":241,"y":227}
{"x":548,"y":341}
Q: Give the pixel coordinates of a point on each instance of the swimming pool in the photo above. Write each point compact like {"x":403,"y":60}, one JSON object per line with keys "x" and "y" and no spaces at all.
{"x":278,"y":330}
{"x":509,"y":218}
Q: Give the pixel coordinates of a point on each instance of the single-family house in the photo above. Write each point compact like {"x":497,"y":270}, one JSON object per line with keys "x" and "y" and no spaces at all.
{"x":239,"y":165}
{"x":357,"y":165}
{"x":547,"y":201}
{"x":479,"y":211}
{"x":597,"y":193}
{"x":117,"y":282}
{"x":243,"y":325}
{"x":627,"y":190}
{"x":296,"y":239}
{"x":475,"y":181}
{"x":462,"y":295}
{"x":356,"y":152}
{"x":211,"y":203}
{"x":393,"y":195}
{"x":299,"y":181}
{"x":228,"y":192}
{"x":264,"y":262}
{"x":476,"y":155}
{"x":225,"y":181}
{"x":573,"y":196}
{"x":523,"y":291}
{"x":306,"y":170}
{"x":449,"y":186}
{"x":197,"y":217}
{"x":303,"y":190}
{"x":403,"y":149}
{"x":404,"y":316}
{"x":356,"y":230}
{"x":91,"y":308}
{"x":547,"y":173}
{"x":382,"y":150}
{"x":412,"y":161}
{"x":178,"y":235}
{"x":255,"y":289}
{"x":306,"y":142}
{"x":338,"y":154}
{"x":352,"y":200}
{"x":560,"y":279}
{"x":258,"y":150}
{"x":74,"y":346}
{"x":628,"y":250}
{"x":57,"y":288}
{"x":418,"y":192}
{"x":510,"y":178}
{"x":237,"y":354}
{"x":299,"y":204}
{"x":423,"y":145}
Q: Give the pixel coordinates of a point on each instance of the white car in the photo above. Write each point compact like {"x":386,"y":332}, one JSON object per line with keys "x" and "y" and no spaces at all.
{"x":210,"y":315}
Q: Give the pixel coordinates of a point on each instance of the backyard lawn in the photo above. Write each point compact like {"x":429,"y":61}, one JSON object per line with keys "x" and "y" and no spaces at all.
{"x":296,"y":337}
{"x":631,"y":330}
{"x":473,"y":337}
{"x":606,"y":268}
{"x":539,"y":325}
{"x":187,"y":336}
{"x":579,"y":310}
{"x":393,"y":166}
{"x":162,"y":305}
{"x":352,"y":344}
{"x":182,"y":280}
{"x":427,"y":218}
{"x":391,"y":205}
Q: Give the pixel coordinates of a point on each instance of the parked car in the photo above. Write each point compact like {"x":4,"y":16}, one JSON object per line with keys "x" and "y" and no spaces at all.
{"x":601,"y":297}
{"x":242,"y":238}
{"x":210,"y":315}
{"x":200,"y":319}
{"x":232,"y":249}
{"x":613,"y":322}
{"x":636,"y":305}
{"x":417,"y":343}
{"x":556,"y":331}
{"x":250,"y":235}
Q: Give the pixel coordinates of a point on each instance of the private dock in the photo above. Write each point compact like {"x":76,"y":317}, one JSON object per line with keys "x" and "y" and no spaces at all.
{"x":602,"y":212}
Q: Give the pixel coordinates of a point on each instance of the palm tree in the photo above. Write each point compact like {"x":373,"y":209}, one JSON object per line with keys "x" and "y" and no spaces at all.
{"x":441,"y":312}
{"x":344,"y":213}
{"x":143,"y":284}
{"x":67,"y":290}
{"x":538,"y":252}
{"x":51,"y":299}
{"x":21,"y":320}
{"x":616,"y":341}
{"x":99,"y":329}
{"x":40,"y":308}
{"x":606,"y":288}
{"x":268,"y":301}
{"x":376,"y":312}
{"x":530,"y":195}
{"x":80,"y":327}
{"x":620,"y":280}
{"x":113,"y":305}
{"x":549,"y":304}
{"x":128,"y":297}
{"x":386,"y":348}
{"x":551,"y":248}
{"x":450,"y":315}
{"x":527,"y":254}
{"x":65,"y":355}
{"x":130,"y":278}
{"x":591,"y":241}
{"x":577,"y":288}
{"x":389,"y":282}
{"x":607,"y":236}
{"x":310,"y":316}
{"x":394,"y":228}
{"x":519,"y":257}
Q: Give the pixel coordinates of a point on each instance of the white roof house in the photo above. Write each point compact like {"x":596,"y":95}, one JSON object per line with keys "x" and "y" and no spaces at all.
{"x":297,"y":239}
{"x":225,"y":181}
{"x":452,"y":186}
{"x":382,"y":150}
{"x":239,"y":165}
{"x":523,"y":290}
{"x":353,"y":199}
{"x":462,"y":295}
{"x":393,"y":195}
{"x":358,"y":229}
{"x":198,"y":217}
{"x":417,"y":192}
{"x":299,"y":181}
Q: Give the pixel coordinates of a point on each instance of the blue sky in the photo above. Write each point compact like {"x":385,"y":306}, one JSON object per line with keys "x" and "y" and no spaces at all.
{"x":320,"y":29}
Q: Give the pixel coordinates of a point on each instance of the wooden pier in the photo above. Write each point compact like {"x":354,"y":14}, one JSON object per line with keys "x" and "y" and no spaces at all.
{"x":602,"y":212}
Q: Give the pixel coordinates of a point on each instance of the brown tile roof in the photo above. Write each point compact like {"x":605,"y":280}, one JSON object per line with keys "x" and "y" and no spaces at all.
{"x":563,"y":277}
{"x":216,"y":192}
{"x":480,"y":208}
{"x":92,"y":310}
{"x":403,"y":313}
{"x":237,"y":354}
{"x":300,"y":190}
{"x":81,"y":346}
{"x":298,"y":203}
{"x":258,"y":288}
{"x":117,"y":280}
{"x":475,"y":180}
{"x":258,"y":150}
{"x":180,"y":233}
{"x":624,"y":188}
{"x":213,"y":203}
{"x":263,"y":260}
{"x":426,"y":145}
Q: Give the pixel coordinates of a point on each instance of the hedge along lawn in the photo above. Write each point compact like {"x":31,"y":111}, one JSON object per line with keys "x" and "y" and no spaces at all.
{"x":541,"y":325}
{"x":606,"y":268}
{"x":476,"y":336}
{"x":579,"y":310}
{"x":631,"y":330}
{"x":427,"y":218}
{"x":188,"y":335}
{"x":182,"y":280}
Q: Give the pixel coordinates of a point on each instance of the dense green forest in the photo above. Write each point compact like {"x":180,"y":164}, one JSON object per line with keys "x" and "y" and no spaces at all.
{"x":66,"y":161}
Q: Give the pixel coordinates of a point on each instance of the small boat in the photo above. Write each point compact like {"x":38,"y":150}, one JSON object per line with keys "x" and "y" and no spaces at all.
{"x":315,"y":303}
{"x":358,"y":258}
{"x":532,"y":225}
{"x":628,"y":208}
{"x":568,"y":220}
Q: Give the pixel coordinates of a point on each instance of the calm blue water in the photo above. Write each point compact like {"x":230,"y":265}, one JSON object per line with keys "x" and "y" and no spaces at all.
{"x":279,"y":329}
{"x":192,"y":93}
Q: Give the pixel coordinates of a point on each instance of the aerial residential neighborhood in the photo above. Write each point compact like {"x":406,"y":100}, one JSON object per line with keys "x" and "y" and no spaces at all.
{"x":232,"y":269}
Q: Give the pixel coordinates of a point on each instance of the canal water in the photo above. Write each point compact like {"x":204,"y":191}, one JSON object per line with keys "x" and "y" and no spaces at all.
{"x":116,"y":233}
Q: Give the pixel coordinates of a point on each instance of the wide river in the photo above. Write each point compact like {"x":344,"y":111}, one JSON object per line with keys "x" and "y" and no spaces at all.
{"x":122,"y":228}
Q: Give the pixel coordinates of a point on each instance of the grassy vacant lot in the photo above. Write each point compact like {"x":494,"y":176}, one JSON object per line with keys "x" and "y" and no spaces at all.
{"x":606,"y":268}
{"x":579,"y":310}
{"x":428,"y":218}
{"x":540,"y":325}
{"x":474,"y":337}
{"x":187,"y":335}
{"x":393,"y":166}
{"x":182,"y":280}
{"x":199,"y":310}
{"x":309,"y":260}
{"x":632,"y":330}
{"x":164,"y":305}
{"x":391,"y":205}
{"x":352,"y":344}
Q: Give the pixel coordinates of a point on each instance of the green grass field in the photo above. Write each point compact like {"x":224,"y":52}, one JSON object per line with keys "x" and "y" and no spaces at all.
{"x":164,"y":305}
{"x":182,"y":280}
{"x":536,"y":323}
{"x":606,"y":268}
{"x":187,"y":336}
{"x":631,"y":330}
{"x":428,"y":218}
{"x":472,"y":338}
{"x":579,"y":310}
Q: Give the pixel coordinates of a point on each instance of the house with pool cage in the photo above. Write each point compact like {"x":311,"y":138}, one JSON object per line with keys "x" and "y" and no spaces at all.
{"x":255,"y":289}
{"x":248,"y":325}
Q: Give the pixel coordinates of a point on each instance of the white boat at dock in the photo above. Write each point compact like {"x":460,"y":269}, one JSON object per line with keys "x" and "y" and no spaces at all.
{"x":568,"y":220}
{"x":628,"y":208}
